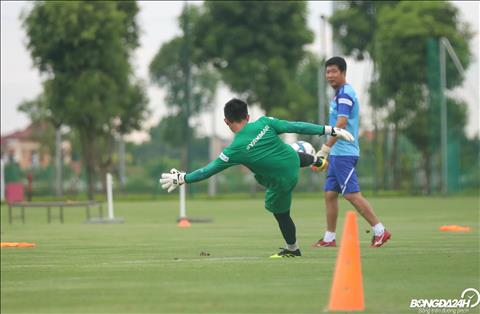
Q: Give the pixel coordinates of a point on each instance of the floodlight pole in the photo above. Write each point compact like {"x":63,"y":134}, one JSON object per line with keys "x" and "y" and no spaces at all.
{"x":321,"y":75}
{"x":121,"y":161}
{"x":58,"y":160}
{"x":2,"y":180}
{"x":212,"y":182}
{"x":443,"y":119}
{"x":445,"y":45}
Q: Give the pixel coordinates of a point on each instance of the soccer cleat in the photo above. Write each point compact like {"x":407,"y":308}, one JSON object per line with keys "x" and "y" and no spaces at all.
{"x":284,"y":253}
{"x":321,"y":243}
{"x":378,"y":241}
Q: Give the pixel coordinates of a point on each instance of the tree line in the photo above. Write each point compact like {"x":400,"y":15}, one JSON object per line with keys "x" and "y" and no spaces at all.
{"x":258,"y":49}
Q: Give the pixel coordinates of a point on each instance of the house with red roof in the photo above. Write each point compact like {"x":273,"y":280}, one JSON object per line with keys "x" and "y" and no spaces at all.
{"x":26,"y":149}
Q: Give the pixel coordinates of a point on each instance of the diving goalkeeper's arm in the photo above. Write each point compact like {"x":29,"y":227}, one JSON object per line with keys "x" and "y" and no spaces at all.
{"x":318,"y":162}
{"x":284,"y":126}
{"x":170,"y":181}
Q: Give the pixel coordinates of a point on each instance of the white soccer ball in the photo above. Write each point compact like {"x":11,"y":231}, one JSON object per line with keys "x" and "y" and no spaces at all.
{"x":304,"y":147}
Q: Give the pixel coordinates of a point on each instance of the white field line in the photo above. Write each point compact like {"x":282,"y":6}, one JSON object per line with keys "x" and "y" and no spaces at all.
{"x":203,"y":259}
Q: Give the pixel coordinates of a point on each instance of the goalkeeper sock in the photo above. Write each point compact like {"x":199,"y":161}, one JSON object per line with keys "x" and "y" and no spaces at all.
{"x":292,"y":247}
{"x":378,"y":229}
{"x":306,"y":160}
{"x":287,"y":227}
{"x":329,"y":236}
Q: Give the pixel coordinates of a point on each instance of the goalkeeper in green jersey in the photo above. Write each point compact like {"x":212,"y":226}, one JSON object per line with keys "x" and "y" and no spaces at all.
{"x":275,"y":164}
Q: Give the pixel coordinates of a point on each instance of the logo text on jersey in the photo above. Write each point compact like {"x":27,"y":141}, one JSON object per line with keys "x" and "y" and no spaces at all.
{"x":258,"y":137}
{"x":224,"y":157}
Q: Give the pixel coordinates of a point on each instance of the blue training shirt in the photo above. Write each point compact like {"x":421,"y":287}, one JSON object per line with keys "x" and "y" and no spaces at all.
{"x":345,"y":104}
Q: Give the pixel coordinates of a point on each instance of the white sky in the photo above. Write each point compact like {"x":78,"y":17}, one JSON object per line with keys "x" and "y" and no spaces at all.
{"x":158,"y":22}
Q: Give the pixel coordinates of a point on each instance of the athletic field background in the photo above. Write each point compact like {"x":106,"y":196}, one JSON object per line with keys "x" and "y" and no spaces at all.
{"x":149,"y":265}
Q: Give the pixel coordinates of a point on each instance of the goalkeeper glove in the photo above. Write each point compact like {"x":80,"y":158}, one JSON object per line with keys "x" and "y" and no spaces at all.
{"x":320,"y":164}
{"x":322,"y":155}
{"x":170,"y":181}
{"x":338,"y":132}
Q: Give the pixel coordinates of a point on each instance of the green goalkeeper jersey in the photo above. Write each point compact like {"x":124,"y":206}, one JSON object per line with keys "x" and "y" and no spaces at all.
{"x":258,"y":147}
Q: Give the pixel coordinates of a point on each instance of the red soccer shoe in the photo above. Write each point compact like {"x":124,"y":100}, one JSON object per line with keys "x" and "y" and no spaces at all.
{"x":321,"y":243}
{"x":378,"y":241}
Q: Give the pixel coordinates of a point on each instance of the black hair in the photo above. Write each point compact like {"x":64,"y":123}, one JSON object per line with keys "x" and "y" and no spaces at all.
{"x":339,"y":62}
{"x":235,"y":110}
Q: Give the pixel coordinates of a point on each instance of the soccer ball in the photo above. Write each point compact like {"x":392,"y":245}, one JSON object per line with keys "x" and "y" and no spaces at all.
{"x":304,"y":147}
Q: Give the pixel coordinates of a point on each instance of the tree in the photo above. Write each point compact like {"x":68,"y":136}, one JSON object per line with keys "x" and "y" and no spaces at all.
{"x":83,"y":48}
{"x":190,"y":87}
{"x":303,"y":86}
{"x":402,"y":35}
{"x":395,"y":35}
{"x":256,"y":47}
{"x":422,"y":140}
{"x":355,"y":26}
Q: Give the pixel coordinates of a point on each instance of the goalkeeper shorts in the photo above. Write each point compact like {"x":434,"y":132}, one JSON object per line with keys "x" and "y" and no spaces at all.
{"x":278,"y":198}
{"x":341,"y":175}
{"x":278,"y":201}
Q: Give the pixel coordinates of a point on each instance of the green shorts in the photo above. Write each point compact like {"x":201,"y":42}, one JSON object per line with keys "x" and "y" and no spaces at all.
{"x":278,"y":198}
{"x":278,"y":201}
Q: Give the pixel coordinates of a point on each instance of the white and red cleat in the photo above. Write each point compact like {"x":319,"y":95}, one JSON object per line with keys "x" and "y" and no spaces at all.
{"x":321,"y":243}
{"x":378,"y":241}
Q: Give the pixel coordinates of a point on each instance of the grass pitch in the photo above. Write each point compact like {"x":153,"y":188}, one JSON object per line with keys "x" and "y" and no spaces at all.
{"x":149,"y":265}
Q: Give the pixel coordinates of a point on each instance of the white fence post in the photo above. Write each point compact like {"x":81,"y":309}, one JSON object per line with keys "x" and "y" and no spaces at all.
{"x":183,"y":211}
{"x":109,"y":196}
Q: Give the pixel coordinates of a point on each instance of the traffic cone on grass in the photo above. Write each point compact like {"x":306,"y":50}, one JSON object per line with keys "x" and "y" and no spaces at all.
{"x":347,"y":287}
{"x":183,"y":223}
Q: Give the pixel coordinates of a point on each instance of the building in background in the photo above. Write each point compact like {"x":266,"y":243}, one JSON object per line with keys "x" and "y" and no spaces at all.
{"x":25,"y":148}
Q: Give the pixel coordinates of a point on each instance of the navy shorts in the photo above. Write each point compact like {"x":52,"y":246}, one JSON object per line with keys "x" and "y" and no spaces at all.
{"x":341,"y":176}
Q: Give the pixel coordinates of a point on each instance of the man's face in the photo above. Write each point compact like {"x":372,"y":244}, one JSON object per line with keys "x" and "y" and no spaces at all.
{"x":334,"y":76}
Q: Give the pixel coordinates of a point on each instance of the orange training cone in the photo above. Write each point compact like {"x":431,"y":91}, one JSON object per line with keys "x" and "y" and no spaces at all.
{"x":183,"y":223}
{"x":17,"y":244}
{"x":347,"y":288}
{"x":455,"y":228}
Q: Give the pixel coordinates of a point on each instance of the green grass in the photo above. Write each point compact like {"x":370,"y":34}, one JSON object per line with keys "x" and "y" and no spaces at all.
{"x":148,"y":265}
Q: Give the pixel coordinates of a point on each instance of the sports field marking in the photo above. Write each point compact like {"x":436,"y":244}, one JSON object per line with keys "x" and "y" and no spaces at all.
{"x":215,"y":259}
{"x":176,"y":259}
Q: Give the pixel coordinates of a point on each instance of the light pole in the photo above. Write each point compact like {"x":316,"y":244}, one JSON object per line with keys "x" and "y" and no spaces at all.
{"x":321,"y":74}
{"x":446,"y":46}
{"x":121,"y":161}
{"x":58,"y":161}
{"x":2,"y":180}
{"x":212,"y":182}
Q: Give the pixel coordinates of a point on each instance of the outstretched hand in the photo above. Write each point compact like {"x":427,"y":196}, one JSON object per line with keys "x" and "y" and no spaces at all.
{"x":342,"y":134}
{"x":339,"y":132}
{"x":170,"y":181}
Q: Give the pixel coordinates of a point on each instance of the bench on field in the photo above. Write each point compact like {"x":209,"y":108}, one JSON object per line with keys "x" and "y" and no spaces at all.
{"x":49,"y":205}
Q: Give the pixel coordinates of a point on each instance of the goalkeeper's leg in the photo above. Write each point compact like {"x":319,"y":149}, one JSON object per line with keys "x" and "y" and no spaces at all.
{"x":287,"y":227}
{"x":278,"y":202}
{"x":307,"y":160}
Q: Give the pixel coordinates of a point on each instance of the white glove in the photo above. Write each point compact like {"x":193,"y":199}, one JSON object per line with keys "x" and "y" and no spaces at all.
{"x":340,"y":133}
{"x":170,"y":181}
{"x":323,"y":152}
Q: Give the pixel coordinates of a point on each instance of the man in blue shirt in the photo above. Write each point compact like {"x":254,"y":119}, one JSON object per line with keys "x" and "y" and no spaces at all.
{"x":343,"y":156}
